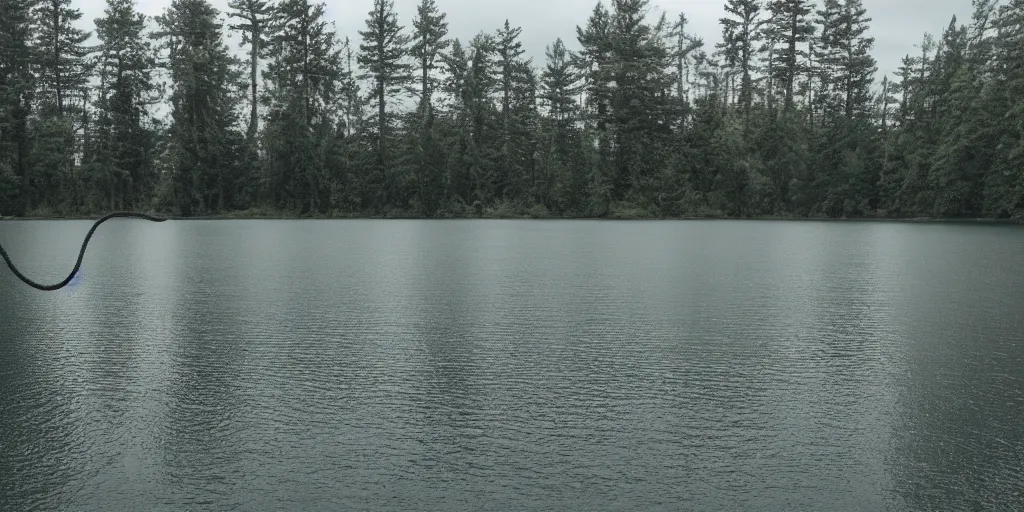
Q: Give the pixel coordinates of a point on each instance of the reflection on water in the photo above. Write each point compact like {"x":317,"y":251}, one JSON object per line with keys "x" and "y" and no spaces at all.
{"x":267,"y":365}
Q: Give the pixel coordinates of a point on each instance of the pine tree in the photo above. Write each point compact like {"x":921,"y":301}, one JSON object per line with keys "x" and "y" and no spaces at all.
{"x":428,"y":44}
{"x":255,"y":21}
{"x":382,"y":54}
{"x":353,"y":102}
{"x":203,"y":141}
{"x":739,"y":36}
{"x":769,"y":36}
{"x":970,"y":126}
{"x":122,"y":172}
{"x":561,"y":84}
{"x":890,"y":178}
{"x":455,"y":64}
{"x":508,"y":49}
{"x":564,"y":184}
{"x":62,"y":68}
{"x":827,"y":55}
{"x":791,"y":28}
{"x":431,"y":162}
{"x":304,"y":75}
{"x":785,"y":117}
{"x":348,"y":153}
{"x":846,"y":179}
{"x":485,"y":124}
{"x":945,"y":107}
{"x":524,"y":182}
{"x":61,"y":78}
{"x":686,"y":47}
{"x":17,"y":83}
{"x":856,"y":66}
{"x":914,"y":142}
{"x":640,"y":66}
{"x":594,"y":61}
{"x":1005,"y":183}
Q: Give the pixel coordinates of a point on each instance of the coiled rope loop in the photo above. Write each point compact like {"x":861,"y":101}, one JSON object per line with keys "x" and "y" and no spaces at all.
{"x":81,"y":254}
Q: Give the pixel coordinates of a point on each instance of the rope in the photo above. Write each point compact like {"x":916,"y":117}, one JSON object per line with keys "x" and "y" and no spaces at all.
{"x":81,"y":254}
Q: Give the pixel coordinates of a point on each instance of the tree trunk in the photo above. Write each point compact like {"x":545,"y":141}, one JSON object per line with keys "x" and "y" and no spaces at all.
{"x":253,"y":69}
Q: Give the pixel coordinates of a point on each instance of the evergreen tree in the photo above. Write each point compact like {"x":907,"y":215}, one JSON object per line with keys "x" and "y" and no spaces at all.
{"x":483,"y":122}
{"x":121,"y":171}
{"x":17,"y":83}
{"x":382,"y":54}
{"x":790,"y":27}
{"x":888,"y":182}
{"x":686,"y":46}
{"x":856,"y":70}
{"x":560,"y":85}
{"x":353,"y":102}
{"x":61,"y":53}
{"x":739,"y":34}
{"x":561,"y":176}
{"x":950,"y":75}
{"x":429,"y":41}
{"x":1004,"y":187}
{"x":523,"y":183}
{"x":255,"y":19}
{"x":61,"y":79}
{"x":639,"y":67}
{"x":430,"y":29}
{"x":204,"y":145}
{"x":784,"y":118}
{"x":827,"y":54}
{"x":304,"y":75}
{"x":455,"y":67}
{"x":508,"y":50}
{"x":594,"y":61}
{"x":431,"y":162}
{"x":970,"y":126}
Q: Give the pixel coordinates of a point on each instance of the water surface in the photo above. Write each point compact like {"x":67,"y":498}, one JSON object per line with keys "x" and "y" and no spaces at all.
{"x":519,"y":365}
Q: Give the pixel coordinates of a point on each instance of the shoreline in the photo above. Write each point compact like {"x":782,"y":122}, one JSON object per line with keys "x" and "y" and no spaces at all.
{"x":258,"y":216}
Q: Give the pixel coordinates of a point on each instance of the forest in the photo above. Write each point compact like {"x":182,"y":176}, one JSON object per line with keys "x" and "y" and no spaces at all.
{"x":636,"y":118}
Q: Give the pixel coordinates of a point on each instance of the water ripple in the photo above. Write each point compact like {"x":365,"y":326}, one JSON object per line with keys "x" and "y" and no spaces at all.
{"x":516,"y":365}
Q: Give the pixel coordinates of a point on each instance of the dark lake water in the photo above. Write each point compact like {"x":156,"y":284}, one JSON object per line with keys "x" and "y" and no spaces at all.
{"x":470,"y":365}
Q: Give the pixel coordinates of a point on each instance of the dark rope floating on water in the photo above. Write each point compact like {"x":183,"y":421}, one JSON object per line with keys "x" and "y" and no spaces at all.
{"x":81,"y":254}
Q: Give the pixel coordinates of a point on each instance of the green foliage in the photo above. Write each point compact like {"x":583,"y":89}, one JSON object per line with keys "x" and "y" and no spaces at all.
{"x":739,"y":35}
{"x":788,"y":27}
{"x":60,"y":56}
{"x":17,"y":83}
{"x":203,"y":144}
{"x":306,"y":87}
{"x":428,"y":42}
{"x":785,"y":117}
{"x":383,"y":54}
{"x":121,"y":167}
{"x":255,"y":17}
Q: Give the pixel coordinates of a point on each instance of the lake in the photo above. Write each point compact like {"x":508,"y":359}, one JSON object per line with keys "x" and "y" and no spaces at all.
{"x":513,"y":365}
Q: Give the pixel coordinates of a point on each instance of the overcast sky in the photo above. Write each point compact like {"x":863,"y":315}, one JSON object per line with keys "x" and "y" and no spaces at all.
{"x":897,"y":24}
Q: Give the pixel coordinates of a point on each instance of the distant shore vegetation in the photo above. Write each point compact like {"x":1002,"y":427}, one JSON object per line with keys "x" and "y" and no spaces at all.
{"x":636,"y":118}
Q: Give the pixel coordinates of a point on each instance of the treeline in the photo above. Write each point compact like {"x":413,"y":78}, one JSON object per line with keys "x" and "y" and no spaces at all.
{"x":784,"y":117}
